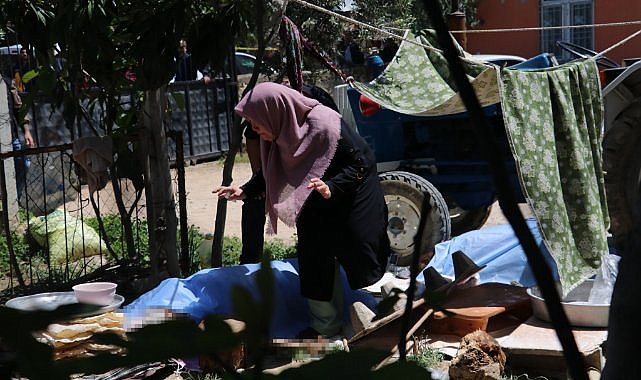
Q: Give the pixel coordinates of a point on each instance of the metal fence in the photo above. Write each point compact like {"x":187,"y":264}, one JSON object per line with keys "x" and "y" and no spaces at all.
{"x":205,"y":119}
{"x":55,"y":233}
{"x":202,"y":112}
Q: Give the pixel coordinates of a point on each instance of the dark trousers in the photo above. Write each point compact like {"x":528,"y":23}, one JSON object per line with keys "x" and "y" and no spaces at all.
{"x":253,"y":230}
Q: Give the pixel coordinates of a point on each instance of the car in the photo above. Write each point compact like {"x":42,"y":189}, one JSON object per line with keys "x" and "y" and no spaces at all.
{"x":244,"y":63}
{"x":500,"y":59}
{"x":10,"y":50}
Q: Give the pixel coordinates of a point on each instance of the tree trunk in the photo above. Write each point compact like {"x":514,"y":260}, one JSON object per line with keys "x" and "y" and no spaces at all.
{"x":161,"y":209}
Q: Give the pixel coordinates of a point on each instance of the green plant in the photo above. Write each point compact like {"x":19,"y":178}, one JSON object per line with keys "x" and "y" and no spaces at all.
{"x":231,"y":250}
{"x":275,"y":249}
{"x":114,"y":234}
{"x":20,"y":248}
{"x":427,"y":357}
{"x":279,"y":250}
{"x":199,"y":376}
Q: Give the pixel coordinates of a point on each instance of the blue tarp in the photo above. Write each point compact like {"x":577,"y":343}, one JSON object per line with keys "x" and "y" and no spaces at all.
{"x":499,"y":249}
{"x":208,"y":292}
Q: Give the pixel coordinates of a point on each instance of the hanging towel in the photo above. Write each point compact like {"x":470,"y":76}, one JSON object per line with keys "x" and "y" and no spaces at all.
{"x":94,"y":155}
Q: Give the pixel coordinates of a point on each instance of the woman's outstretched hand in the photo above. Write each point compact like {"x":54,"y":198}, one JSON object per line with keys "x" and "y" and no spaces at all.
{"x":231,"y":193}
{"x":320,"y":186}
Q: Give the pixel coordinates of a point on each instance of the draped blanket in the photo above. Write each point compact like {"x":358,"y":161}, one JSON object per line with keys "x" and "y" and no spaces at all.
{"x":553,"y":118}
{"x":418,"y":81}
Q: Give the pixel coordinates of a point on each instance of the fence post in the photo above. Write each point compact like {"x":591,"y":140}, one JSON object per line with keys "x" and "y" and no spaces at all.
{"x":5,"y":223}
{"x":177,"y":136}
{"x":8,"y":165}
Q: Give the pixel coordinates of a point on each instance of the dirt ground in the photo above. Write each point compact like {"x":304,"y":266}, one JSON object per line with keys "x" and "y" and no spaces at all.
{"x":201,"y":179}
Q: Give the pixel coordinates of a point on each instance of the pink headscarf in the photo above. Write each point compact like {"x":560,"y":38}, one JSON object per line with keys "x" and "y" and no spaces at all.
{"x":306,"y":134}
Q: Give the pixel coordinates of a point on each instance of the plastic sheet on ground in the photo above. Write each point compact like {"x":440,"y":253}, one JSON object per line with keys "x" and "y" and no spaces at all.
{"x":208,"y":292}
{"x":499,"y":249}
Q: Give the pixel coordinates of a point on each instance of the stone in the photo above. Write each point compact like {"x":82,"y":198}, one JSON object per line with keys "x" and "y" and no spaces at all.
{"x":479,"y":357}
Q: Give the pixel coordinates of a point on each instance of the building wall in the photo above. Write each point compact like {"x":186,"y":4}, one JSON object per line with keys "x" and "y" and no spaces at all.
{"x":606,"y":11}
{"x":495,"y":14}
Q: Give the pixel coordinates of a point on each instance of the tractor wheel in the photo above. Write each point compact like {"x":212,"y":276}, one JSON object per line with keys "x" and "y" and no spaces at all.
{"x":468,"y":220}
{"x":622,"y":166}
{"x":404,"y":194}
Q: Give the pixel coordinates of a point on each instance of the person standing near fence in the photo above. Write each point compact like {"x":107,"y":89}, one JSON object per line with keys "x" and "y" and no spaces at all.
{"x":185,"y":70}
{"x":21,"y":163}
{"x":22,"y":67}
{"x":319,"y":175}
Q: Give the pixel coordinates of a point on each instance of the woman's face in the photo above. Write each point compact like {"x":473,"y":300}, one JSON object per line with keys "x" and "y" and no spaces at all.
{"x":262,"y":131}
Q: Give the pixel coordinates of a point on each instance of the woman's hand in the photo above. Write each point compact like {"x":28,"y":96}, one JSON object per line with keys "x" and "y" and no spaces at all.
{"x":320,"y":186}
{"x":231,"y":193}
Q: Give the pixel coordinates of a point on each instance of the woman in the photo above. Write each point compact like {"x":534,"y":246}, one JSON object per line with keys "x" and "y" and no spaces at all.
{"x":320,"y":175}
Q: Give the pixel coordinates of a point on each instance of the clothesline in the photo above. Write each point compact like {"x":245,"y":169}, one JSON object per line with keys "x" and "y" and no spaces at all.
{"x":364,"y":25}
{"x":401,"y":38}
{"x":618,"y":44}
{"x":539,"y":28}
{"x":373,"y":28}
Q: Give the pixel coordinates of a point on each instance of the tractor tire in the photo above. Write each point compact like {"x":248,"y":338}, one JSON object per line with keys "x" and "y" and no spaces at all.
{"x":468,"y":220}
{"x":622,"y":166}
{"x":404,"y":194}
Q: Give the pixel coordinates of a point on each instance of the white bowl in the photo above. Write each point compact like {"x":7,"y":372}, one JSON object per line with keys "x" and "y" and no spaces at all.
{"x":95,"y":293}
{"x":579,"y":311}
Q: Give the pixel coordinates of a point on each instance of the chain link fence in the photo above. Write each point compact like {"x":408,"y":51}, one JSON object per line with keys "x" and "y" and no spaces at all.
{"x":55,"y":232}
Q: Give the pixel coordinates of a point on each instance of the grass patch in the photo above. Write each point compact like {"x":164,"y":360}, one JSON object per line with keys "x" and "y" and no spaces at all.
{"x":276,"y":249}
{"x":241,"y":158}
{"x":427,"y":357}
{"x":30,"y":255}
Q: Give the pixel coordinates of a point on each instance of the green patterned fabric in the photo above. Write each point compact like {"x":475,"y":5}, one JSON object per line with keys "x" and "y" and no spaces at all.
{"x":418,"y":81}
{"x":554,"y":119}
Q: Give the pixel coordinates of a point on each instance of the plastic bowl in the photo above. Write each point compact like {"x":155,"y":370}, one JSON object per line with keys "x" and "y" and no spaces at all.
{"x":95,"y":293}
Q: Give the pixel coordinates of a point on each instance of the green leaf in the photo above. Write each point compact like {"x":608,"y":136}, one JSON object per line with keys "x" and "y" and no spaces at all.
{"x":179,"y":97}
{"x":29,"y":75}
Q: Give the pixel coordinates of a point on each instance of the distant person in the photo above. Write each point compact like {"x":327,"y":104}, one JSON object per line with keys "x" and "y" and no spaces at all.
{"x":22,"y":67}
{"x":390,"y":47}
{"x":185,"y":70}
{"x":354,"y":55}
{"x":319,"y":175}
{"x":375,"y":64}
{"x":21,"y":163}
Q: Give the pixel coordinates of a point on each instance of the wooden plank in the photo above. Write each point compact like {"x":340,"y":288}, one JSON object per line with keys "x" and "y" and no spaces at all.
{"x":537,"y":337}
{"x":487,"y":307}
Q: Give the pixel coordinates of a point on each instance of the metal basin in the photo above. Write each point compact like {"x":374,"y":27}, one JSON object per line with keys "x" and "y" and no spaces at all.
{"x":580,"y":313}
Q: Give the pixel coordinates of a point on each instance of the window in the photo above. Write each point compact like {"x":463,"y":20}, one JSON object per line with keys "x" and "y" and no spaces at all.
{"x":566,"y":13}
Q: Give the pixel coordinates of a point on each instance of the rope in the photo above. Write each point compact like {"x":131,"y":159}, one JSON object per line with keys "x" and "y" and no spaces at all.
{"x":379,"y":30}
{"x":617,"y":44}
{"x":385,"y":32}
{"x":363,"y":25}
{"x":547,"y":27}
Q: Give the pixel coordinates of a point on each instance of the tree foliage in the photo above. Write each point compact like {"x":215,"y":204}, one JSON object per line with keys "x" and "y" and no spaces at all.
{"x":407,"y":14}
